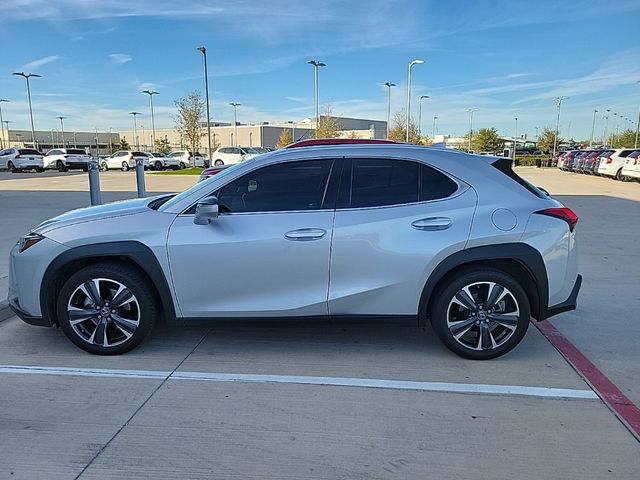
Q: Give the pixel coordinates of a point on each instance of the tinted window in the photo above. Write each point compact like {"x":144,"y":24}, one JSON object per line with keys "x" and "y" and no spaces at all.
{"x":53,"y":152}
{"x":76,"y":151}
{"x":624,"y":153}
{"x":434,"y":185}
{"x":384,"y":182}
{"x":139,"y":154}
{"x":28,"y":151}
{"x":283,"y":187}
{"x":634,"y":154}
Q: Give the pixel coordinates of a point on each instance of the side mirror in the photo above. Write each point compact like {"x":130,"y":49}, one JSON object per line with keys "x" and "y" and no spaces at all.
{"x":206,"y":210}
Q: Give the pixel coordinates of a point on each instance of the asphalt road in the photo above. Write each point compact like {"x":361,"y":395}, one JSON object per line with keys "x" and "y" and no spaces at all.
{"x":325,"y":400}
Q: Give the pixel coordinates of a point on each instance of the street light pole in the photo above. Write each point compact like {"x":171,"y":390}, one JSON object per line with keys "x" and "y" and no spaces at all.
{"x":62,"y":129}
{"x":614,"y":127}
{"x":2,"y":126}
{"x":515,"y":141}
{"x":593,"y":128}
{"x":135,"y":128}
{"x":26,"y":77}
{"x":555,"y":138}
{"x":235,"y":121}
{"x":411,"y":64}
{"x":606,"y":128}
{"x":206,"y":92}
{"x":434,"y":127}
{"x":471,"y":110}
{"x":420,"y":114}
{"x":316,"y":64}
{"x":637,"y":124}
{"x":389,"y":85}
{"x":151,"y":93}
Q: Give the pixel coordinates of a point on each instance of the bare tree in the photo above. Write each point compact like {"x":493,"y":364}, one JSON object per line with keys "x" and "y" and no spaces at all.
{"x":329,"y":126}
{"x":398,"y":130}
{"x":188,"y":120}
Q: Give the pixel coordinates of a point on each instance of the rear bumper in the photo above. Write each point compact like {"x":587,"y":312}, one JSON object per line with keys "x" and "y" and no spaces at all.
{"x":569,"y":304}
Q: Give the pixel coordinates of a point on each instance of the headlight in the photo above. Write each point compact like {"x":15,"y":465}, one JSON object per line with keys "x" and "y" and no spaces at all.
{"x":28,"y":241}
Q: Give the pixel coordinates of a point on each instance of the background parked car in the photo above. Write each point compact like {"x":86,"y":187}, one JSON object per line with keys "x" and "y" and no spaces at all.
{"x":124,"y":160}
{"x":611,"y":166}
{"x":630,"y":166}
{"x":230,"y":155}
{"x":18,"y":159}
{"x":65,"y":159}
{"x":160,"y":161}
{"x":185,"y":159}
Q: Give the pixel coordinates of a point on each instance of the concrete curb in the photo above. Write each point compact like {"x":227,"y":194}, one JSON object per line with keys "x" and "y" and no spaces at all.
{"x":5,"y":310}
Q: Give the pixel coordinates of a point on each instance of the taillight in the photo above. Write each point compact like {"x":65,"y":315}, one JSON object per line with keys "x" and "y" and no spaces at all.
{"x":609,"y":159}
{"x":563,"y":213}
{"x":131,"y":156}
{"x":17,"y":155}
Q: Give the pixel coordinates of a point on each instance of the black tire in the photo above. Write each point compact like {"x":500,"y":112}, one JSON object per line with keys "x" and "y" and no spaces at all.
{"x":619,"y":175}
{"x":39,"y":170}
{"x":145,"y":308}
{"x":105,"y":166}
{"x":182,"y":165}
{"x":125,"y":167}
{"x":61,"y":166}
{"x":218,"y":163}
{"x":506,"y":338}
{"x":158,"y":165}
{"x":11,"y":167}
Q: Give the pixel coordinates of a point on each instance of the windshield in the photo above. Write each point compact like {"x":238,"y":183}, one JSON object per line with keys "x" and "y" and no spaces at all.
{"x":250,"y":151}
{"x":201,"y":185}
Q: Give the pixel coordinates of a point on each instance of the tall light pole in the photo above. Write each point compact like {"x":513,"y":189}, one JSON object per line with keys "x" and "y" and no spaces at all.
{"x":151,"y":93}
{"x":434,"y":127}
{"x":316,"y":65}
{"x":2,"y":126}
{"x":111,"y":141}
{"x":593,"y":128}
{"x":606,"y":127}
{"x":62,"y":129}
{"x":389,"y":85}
{"x":206,"y":92}
{"x":411,"y":64}
{"x":515,"y":140}
{"x":471,"y":110}
{"x":555,"y":138}
{"x":420,"y":113}
{"x":26,"y":77}
{"x":614,"y":126}
{"x":235,"y":106}
{"x":637,"y":123}
{"x":135,"y":129}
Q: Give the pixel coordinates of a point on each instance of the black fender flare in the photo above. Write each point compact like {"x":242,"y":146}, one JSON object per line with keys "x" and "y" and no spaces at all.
{"x":134,"y":251}
{"x":527,"y":256}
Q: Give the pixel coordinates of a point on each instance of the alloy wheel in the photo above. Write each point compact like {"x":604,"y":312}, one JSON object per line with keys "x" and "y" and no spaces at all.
{"x":103,"y":312}
{"x":483,"y":316}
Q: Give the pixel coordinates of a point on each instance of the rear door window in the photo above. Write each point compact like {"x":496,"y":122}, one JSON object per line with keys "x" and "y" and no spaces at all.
{"x":380,"y":182}
{"x":28,"y":151}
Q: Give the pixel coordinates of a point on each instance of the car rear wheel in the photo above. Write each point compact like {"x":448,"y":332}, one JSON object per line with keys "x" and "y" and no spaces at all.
{"x":11,"y":167}
{"x":107,"y":308}
{"x":481,"y":313}
{"x":182,"y":165}
{"x":125,"y":166}
{"x":158,"y":165}
{"x":61,"y":167}
{"x":619,"y":175}
{"x":218,"y":163}
{"x":104,"y":166}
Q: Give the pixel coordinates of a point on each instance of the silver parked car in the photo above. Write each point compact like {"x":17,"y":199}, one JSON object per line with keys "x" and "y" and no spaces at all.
{"x":341,"y":231}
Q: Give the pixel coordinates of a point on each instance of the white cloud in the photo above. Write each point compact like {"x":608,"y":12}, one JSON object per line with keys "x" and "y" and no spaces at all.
{"x":40,"y":62}
{"x":119,"y":58}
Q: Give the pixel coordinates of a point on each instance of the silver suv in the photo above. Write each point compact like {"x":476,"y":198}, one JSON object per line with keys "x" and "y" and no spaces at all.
{"x":335,"y":231}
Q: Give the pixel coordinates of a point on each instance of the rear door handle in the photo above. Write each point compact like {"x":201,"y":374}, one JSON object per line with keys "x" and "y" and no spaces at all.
{"x":305,"y":234}
{"x":432,"y":223}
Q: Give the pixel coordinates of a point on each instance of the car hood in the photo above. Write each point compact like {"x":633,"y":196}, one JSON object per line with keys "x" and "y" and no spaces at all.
{"x":107,"y":210}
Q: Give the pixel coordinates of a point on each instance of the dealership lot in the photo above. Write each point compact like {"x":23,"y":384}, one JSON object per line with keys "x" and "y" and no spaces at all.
{"x":194,"y":402}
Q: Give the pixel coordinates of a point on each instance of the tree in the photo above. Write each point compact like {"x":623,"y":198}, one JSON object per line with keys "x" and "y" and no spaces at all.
{"x":329,"y":126}
{"x":124,"y":145}
{"x":486,"y":140}
{"x":285,"y":138}
{"x":625,"y":139}
{"x":188,"y":120}
{"x":162,"y":145}
{"x":398,"y":130}
{"x":546,"y":138}
{"x":353,"y":135}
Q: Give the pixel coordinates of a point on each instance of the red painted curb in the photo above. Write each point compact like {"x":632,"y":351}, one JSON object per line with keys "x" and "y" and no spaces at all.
{"x":617,"y":401}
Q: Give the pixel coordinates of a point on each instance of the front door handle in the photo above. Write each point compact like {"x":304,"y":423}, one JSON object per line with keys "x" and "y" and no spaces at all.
{"x":305,"y":234}
{"x":432,"y":223}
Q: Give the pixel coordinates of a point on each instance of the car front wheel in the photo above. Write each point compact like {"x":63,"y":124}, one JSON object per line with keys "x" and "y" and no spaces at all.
{"x":125,"y":166}
{"x":105,"y":167}
{"x":218,"y":163}
{"x":481,"y":313}
{"x":107,"y":308}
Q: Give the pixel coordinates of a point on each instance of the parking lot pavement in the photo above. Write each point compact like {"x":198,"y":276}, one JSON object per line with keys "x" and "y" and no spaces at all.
{"x":186,"y":426}
{"x":163,"y":411}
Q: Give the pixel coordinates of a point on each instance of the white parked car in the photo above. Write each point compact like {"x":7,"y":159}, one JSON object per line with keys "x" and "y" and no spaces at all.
{"x":65,"y":159}
{"x":231,"y":155}
{"x":186,"y":159}
{"x":631,"y":167}
{"x":160,"y":161}
{"x":124,"y":160}
{"x":18,"y":159}
{"x":611,"y":165}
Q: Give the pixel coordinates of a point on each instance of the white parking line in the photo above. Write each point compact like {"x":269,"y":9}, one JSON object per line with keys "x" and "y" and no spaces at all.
{"x":469,"y":388}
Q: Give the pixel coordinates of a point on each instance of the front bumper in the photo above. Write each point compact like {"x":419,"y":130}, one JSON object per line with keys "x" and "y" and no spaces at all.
{"x":26,"y":317}
{"x":569,"y":304}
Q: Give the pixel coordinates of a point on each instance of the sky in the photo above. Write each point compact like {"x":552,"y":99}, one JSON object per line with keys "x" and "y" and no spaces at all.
{"x":506,"y":59}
